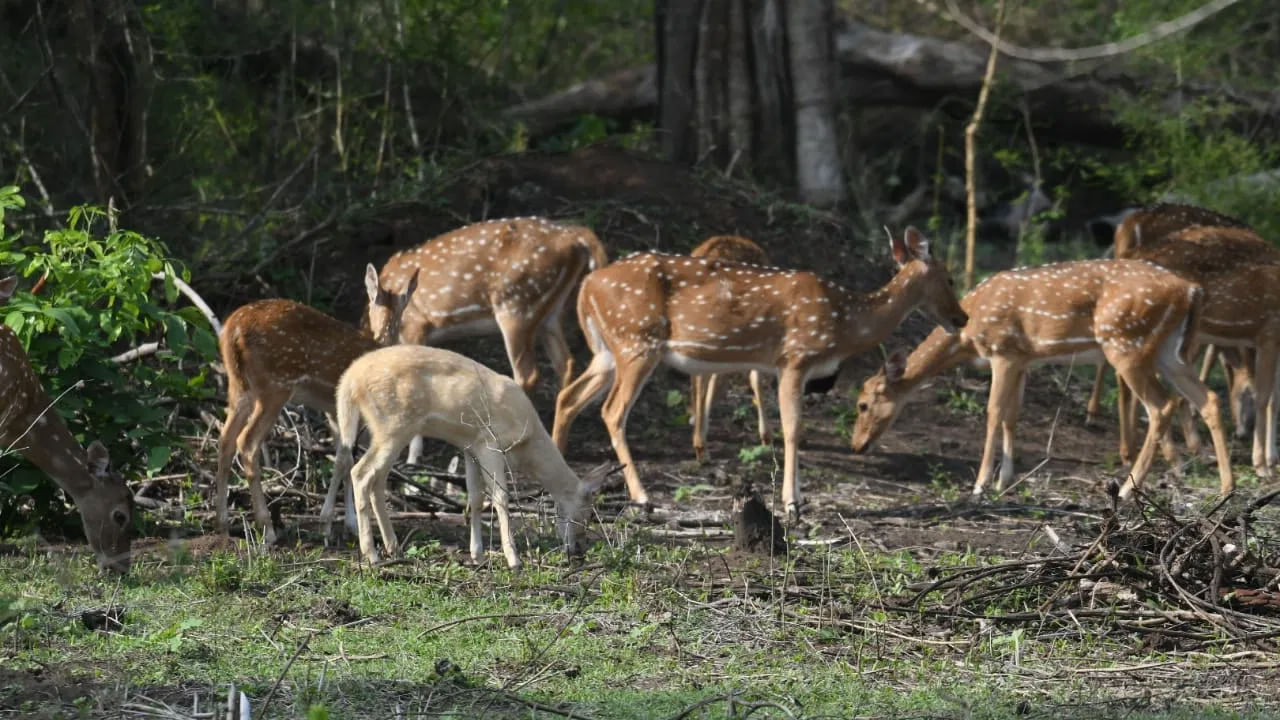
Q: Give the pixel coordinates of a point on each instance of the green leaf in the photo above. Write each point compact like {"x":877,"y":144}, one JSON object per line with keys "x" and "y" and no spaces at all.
{"x":157,"y":458}
{"x":15,"y":319}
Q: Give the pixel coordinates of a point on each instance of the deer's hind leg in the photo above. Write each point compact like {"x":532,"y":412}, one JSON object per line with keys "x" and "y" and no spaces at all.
{"x":632,"y":374}
{"x":266,"y":408}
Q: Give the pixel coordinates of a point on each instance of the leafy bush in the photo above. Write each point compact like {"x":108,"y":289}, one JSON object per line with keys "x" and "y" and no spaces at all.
{"x":99,"y":299}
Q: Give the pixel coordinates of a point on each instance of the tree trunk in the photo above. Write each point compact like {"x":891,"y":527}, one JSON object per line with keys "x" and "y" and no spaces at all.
{"x":115,"y":101}
{"x":818,"y":172}
{"x":677,"y":27}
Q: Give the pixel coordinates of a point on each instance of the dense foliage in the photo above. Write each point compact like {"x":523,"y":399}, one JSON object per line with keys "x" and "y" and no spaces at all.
{"x":99,"y":298}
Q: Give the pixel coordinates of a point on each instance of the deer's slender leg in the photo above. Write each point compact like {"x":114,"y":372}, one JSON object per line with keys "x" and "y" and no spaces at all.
{"x":553,"y":341}
{"x":762,"y":424}
{"x":1009,"y":426}
{"x":1264,"y":387}
{"x":1189,"y":386}
{"x":518,"y":338}
{"x":1002,"y":377}
{"x":632,"y":374}
{"x":579,"y":393}
{"x":266,"y":408}
{"x":368,"y":480}
{"x":1094,"y":408}
{"x":790,"y":407}
{"x":238,"y":411}
{"x":496,"y":468}
{"x":1144,"y":385}
{"x":699,"y":416}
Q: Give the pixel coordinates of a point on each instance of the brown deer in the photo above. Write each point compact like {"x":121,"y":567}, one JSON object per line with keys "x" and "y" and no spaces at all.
{"x":1148,"y":227}
{"x":733,"y":249}
{"x":408,"y":390}
{"x":1240,"y":274}
{"x":509,"y":276}
{"x":703,"y":316}
{"x":30,"y":426}
{"x":1136,"y":316}
{"x":279,"y":351}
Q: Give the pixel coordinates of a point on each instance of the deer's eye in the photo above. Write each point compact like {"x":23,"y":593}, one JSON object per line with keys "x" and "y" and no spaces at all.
{"x":862,"y":407}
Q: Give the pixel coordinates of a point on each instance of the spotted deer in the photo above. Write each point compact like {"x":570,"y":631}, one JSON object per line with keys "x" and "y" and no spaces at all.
{"x":732,"y":249}
{"x":1240,"y":274}
{"x":1139,"y":318}
{"x":280,"y":351}
{"x":702,"y":315}
{"x":511,"y":276}
{"x":1145,"y":228}
{"x":409,"y":390}
{"x":31,"y":427}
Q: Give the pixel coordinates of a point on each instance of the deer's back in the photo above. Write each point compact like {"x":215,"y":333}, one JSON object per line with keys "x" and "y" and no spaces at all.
{"x":694,"y":303}
{"x":478,"y":269}
{"x":281,"y":342}
{"x":1200,"y":252}
{"x":1031,"y":310}
{"x":1152,"y":225}
{"x":407,"y":390}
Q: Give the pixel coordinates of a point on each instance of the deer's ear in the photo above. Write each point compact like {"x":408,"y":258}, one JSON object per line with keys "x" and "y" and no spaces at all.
{"x":895,"y":365}
{"x":97,"y":459}
{"x":917,"y":243}
{"x":7,"y":286}
{"x":371,"y":282}
{"x":594,"y":479}
{"x":897,"y":248}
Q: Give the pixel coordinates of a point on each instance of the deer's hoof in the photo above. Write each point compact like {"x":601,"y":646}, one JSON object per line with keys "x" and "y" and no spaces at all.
{"x":793,"y":513}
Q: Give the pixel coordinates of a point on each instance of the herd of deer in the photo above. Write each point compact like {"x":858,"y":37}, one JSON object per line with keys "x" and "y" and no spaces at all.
{"x":1181,"y":276}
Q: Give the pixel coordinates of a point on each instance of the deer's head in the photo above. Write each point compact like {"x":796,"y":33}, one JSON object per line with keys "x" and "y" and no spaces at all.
{"x":107,"y":511}
{"x":386,"y":308}
{"x":939,"y":303}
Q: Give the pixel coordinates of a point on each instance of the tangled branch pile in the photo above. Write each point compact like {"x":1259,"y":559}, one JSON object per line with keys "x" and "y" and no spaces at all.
{"x":1184,"y":583}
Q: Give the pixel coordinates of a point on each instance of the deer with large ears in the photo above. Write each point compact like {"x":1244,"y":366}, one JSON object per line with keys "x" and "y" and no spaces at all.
{"x":30,"y":426}
{"x":511,"y":277}
{"x":1145,"y":229}
{"x":1136,"y":316}
{"x":279,"y":351}
{"x":706,"y":316}
{"x":409,"y":390}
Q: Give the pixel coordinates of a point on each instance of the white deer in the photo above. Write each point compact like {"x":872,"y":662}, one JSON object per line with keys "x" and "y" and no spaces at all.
{"x":410,"y":390}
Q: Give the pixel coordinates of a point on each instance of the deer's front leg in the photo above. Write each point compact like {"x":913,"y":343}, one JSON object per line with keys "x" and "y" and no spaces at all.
{"x":997,"y":400}
{"x":790,"y":407}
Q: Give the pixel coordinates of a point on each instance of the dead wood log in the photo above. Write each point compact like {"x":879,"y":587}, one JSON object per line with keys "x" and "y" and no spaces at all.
{"x":884,"y":68}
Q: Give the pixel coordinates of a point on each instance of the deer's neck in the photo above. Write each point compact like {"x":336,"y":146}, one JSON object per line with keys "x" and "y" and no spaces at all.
{"x":50,"y":447}
{"x":871,"y":317}
{"x":939,"y":352}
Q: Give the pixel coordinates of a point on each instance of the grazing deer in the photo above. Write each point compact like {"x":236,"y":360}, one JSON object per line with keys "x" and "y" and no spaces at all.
{"x":702,"y":316}
{"x":1139,"y":317}
{"x":29,"y":425}
{"x":1240,"y":274}
{"x":410,"y":390}
{"x":509,"y":276}
{"x":733,"y":249}
{"x":275,"y":352}
{"x":1145,"y":228}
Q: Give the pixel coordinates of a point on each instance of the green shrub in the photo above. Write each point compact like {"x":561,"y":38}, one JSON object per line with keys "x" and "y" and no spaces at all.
{"x":100,"y":299}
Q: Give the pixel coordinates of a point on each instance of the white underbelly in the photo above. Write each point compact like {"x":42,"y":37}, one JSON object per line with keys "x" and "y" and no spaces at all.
{"x":485,"y":325}
{"x":696,"y":366}
{"x":1085,"y":357}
